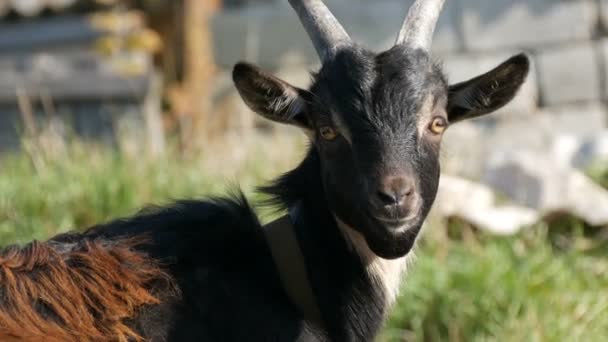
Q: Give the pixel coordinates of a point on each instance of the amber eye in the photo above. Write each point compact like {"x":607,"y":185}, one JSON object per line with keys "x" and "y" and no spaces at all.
{"x":328,"y":133}
{"x":438,"y":125}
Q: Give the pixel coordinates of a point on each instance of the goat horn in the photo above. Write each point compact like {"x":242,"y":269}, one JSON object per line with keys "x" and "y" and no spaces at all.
{"x":419,"y":24}
{"x":325,"y":31}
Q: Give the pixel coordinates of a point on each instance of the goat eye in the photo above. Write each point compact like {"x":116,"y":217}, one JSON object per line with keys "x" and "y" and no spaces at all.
{"x":328,"y":133}
{"x":438,"y":125}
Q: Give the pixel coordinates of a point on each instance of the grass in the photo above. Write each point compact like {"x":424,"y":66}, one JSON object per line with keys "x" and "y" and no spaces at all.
{"x":45,"y":194}
{"x":464,"y":286}
{"x":599,"y":172}
{"x":520,"y":288}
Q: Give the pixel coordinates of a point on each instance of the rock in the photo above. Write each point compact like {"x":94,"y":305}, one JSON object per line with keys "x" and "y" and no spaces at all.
{"x":475,"y":203}
{"x":560,"y":84}
{"x":604,"y":12}
{"x":489,"y":25}
{"x":463,"y":152}
{"x":272,"y":36}
{"x":590,"y":150}
{"x":266,"y":35}
{"x":537,"y":132}
{"x":526,"y":178}
{"x":580,"y":120}
{"x":541,"y":182}
{"x":469,"y":146}
{"x":586,"y":199}
{"x":565,"y":148}
{"x":602,"y":49}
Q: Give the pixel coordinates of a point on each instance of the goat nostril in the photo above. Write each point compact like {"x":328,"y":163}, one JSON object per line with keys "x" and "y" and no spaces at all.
{"x":395,"y":191}
{"x":388,"y":199}
{"x":395,"y":197}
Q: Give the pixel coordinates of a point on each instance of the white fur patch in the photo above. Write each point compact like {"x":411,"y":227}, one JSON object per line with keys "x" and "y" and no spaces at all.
{"x":386,"y":273}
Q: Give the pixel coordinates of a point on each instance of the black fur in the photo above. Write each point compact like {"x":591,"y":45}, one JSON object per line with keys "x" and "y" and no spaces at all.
{"x":216,"y":252}
{"x":379,"y":98}
{"x":377,"y":104}
{"x":488,"y":92}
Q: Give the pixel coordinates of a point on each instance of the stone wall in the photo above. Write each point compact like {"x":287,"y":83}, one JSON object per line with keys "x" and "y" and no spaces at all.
{"x":564,"y":97}
{"x":566,"y":39}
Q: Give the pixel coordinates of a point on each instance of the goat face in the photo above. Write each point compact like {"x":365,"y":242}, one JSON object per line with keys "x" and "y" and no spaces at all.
{"x":376,"y":121}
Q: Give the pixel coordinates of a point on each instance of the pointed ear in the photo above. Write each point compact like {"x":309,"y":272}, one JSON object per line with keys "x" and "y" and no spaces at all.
{"x":488,"y":92}
{"x":270,"y":96}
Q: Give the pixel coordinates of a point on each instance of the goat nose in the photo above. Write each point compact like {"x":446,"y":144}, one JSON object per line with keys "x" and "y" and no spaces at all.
{"x":395,"y":190}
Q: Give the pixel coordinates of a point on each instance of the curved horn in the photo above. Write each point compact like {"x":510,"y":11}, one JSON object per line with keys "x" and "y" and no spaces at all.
{"x":324,"y":30}
{"x":419,"y":24}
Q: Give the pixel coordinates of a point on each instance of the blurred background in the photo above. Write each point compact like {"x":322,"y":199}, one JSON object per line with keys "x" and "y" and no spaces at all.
{"x":109,"y":105}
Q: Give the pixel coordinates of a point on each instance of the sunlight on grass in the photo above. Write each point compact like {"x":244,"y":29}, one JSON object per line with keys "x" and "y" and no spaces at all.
{"x":93,"y":185}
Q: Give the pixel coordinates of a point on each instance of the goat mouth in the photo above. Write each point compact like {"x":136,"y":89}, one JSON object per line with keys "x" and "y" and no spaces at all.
{"x":392,"y":238}
{"x":393,"y":243}
{"x":396,"y":217}
{"x":399,"y":224}
{"x":393,"y":218}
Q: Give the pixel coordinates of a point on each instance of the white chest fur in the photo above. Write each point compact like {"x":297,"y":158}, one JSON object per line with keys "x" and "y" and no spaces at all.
{"x":386,"y":273}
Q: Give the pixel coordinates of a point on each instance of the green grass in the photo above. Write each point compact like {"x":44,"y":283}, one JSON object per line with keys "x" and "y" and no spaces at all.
{"x":519,"y":288}
{"x":46,"y":194}
{"x":599,"y":172}
{"x":464,"y":285}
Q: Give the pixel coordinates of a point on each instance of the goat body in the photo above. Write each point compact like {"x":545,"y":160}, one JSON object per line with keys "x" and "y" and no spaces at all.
{"x":193,"y":271}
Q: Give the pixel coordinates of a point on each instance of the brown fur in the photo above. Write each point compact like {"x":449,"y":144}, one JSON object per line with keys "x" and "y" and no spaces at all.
{"x":75,"y":292}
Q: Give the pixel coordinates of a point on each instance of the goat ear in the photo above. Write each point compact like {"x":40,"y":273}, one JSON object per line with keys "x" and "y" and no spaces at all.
{"x":488,"y":92}
{"x":270,"y":96}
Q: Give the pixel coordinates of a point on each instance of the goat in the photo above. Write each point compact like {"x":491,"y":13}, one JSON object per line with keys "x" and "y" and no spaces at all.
{"x":204,"y":270}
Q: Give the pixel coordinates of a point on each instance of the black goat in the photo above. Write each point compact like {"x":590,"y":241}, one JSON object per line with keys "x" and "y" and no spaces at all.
{"x":203,"y":270}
